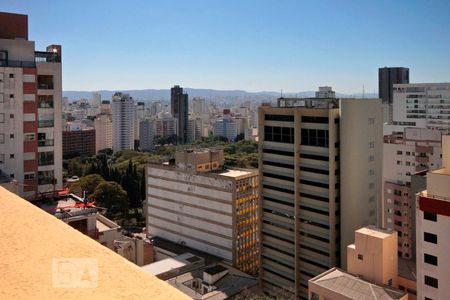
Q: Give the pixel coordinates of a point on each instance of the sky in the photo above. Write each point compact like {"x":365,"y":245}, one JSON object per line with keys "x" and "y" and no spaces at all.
{"x":252,"y":45}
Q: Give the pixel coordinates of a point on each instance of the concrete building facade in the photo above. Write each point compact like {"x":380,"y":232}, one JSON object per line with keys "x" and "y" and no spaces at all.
{"x":432,"y":228}
{"x":404,"y":154}
{"x":320,"y":173}
{"x":425,"y":105}
{"x":199,"y":204}
{"x":146,"y":135}
{"x":30,"y":109}
{"x":123,"y":116}
{"x":79,"y":143}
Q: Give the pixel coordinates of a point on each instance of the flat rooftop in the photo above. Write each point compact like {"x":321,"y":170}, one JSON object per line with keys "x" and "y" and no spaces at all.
{"x":375,"y":231}
{"x":170,"y":263}
{"x":234,"y":173}
{"x":353,"y":287}
{"x":407,"y":269}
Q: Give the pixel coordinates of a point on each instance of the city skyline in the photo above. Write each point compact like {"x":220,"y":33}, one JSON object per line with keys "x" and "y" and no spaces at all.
{"x":248,"y":46}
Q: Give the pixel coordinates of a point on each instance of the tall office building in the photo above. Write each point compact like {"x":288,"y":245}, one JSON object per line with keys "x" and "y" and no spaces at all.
{"x":387,"y":77}
{"x":123,"y":116}
{"x":96,"y":100}
{"x":30,"y":109}
{"x":320,"y":174}
{"x":432,"y":229}
{"x":179,"y":110}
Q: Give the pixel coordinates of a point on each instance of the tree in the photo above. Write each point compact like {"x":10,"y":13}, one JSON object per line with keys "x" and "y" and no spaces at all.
{"x":89,"y":183}
{"x":239,"y":137}
{"x":111,"y":195}
{"x":75,"y":167}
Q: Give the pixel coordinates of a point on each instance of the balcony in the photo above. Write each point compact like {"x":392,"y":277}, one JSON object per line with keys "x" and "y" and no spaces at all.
{"x":46,"y":123}
{"x":41,"y":56}
{"x":45,"y":143}
{"x":45,"y":101}
{"x":45,"y":86}
{"x":45,"y":180}
{"x":45,"y":82}
{"x":422,"y":159}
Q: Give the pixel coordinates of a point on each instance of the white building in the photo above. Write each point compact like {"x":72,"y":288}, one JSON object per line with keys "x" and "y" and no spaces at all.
{"x":325,"y":92}
{"x":198,"y":106}
{"x":30,"y":109}
{"x":432,"y":232}
{"x":214,"y":212}
{"x":424,"y":105}
{"x":103,"y":132}
{"x":123,"y":116}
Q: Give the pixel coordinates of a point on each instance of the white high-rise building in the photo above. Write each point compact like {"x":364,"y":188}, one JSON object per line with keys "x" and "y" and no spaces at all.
{"x":30,"y":110}
{"x":432,"y":232}
{"x":123,"y":119}
{"x":325,"y":92}
{"x":96,"y":100}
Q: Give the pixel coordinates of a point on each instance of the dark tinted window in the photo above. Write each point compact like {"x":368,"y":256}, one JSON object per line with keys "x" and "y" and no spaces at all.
{"x":429,"y":216}
{"x":282,"y":118}
{"x":431,"y":281}
{"x":430,"y":237}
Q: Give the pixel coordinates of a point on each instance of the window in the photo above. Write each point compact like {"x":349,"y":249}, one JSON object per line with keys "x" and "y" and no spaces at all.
{"x":2,"y":138}
{"x":11,"y":96}
{"x":11,"y":136}
{"x":46,"y":158}
{"x":11,"y":156}
{"x":390,"y":281}
{"x":2,"y":158}
{"x":28,"y":176}
{"x":314,"y":296}
{"x":429,"y":216}
{"x":408,"y":153}
{"x":279,"y":134}
{"x":29,"y":137}
{"x":308,"y":119}
{"x":371,"y":145}
{"x":371,"y":171}
{"x":2,"y":118}
{"x":11,"y":75}
{"x":360,"y":257}
{"x":431,"y":281}
{"x":399,"y":152}
{"x":371,"y":158}
{"x":371,"y":185}
{"x":371,"y":121}
{"x":314,"y":137}
{"x":282,"y":118}
{"x":11,"y":116}
{"x":430,"y":237}
{"x":430,"y":259}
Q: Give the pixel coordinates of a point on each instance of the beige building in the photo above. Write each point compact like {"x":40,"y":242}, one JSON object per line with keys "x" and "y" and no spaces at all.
{"x":432,"y":232}
{"x":199,"y":204}
{"x":320,"y":174}
{"x":30,"y":109}
{"x":103,"y":132}
{"x":373,"y":270}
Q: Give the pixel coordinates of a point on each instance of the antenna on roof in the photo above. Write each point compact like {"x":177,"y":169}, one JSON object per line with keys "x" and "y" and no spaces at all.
{"x":281,"y":93}
{"x":363,"y":92}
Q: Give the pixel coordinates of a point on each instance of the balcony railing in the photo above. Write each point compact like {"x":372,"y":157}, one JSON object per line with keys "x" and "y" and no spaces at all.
{"x":45,"y":86}
{"x":46,"y":104}
{"x":45,"y":180}
{"x":44,"y":143}
{"x":41,"y":56}
{"x":17,"y":64}
{"x":46,"y":123}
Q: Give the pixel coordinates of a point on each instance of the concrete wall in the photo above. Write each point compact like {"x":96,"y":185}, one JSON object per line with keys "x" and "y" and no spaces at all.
{"x":360,"y":188}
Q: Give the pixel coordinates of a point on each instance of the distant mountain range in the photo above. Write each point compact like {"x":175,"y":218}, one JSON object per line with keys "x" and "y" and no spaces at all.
{"x":209,"y":94}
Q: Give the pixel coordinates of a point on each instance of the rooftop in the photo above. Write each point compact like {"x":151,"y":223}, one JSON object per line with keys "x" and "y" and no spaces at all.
{"x":353,"y":287}
{"x":32,"y":259}
{"x":375,"y":232}
{"x":170,"y":263}
{"x":226,"y":287}
{"x":407,"y":269}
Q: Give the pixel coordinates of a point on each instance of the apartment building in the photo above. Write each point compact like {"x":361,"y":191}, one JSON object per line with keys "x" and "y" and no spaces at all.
{"x":320,"y":174}
{"x":226,"y":127}
{"x":199,"y":204}
{"x":165,"y":126}
{"x":123,"y":116}
{"x":425,"y":105}
{"x":30,"y":109}
{"x":432,"y":229}
{"x":104,"y":132}
{"x":79,"y":143}
{"x":404,"y":154}
{"x":146,"y":135}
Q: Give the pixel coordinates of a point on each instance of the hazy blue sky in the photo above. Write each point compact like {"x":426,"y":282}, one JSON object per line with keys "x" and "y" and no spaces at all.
{"x":241,"y":44}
